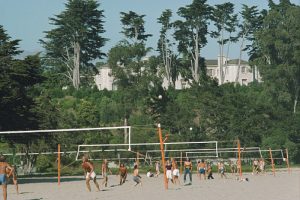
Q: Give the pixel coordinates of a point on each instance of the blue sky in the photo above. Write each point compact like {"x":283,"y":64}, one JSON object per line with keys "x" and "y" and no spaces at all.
{"x":28,"y":19}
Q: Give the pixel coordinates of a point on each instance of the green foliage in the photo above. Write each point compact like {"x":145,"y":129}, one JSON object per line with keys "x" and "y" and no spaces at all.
{"x":43,"y":163}
{"x":133,"y":26}
{"x":79,"y":27}
{"x":278,"y":54}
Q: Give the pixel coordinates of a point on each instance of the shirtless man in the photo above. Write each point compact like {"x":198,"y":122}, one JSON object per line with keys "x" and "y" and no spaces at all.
{"x":209,"y":172}
{"x":136,"y":176}
{"x":188,"y":170}
{"x":14,"y":177}
{"x":262,"y":165}
{"x":176,"y":175}
{"x":218,"y":166}
{"x":122,"y":173}
{"x":233,"y":167}
{"x":255,"y":166}
{"x":222,"y":170}
{"x":201,"y":168}
{"x":3,"y":181}
{"x":157,"y":168}
{"x":89,"y":173}
{"x":104,"y":170}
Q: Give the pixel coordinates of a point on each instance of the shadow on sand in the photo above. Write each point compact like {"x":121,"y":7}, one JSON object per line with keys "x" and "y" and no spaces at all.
{"x":48,"y":179}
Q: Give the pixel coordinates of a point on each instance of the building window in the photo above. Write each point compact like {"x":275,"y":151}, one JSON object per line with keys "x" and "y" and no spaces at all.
{"x":183,"y":84}
{"x":244,"y":82}
{"x":243,"y":70}
{"x":210,"y":72}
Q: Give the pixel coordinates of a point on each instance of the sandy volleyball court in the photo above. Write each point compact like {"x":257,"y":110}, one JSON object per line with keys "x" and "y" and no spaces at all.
{"x":281,"y":187}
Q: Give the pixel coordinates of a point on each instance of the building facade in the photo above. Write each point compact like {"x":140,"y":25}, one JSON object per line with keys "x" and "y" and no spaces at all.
{"x":246,"y":75}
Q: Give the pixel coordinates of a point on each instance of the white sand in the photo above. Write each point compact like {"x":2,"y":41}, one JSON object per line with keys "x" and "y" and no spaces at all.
{"x":281,"y":187}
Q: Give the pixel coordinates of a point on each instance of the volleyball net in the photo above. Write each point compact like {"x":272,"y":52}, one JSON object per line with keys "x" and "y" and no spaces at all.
{"x":37,"y":151}
{"x":62,"y":149}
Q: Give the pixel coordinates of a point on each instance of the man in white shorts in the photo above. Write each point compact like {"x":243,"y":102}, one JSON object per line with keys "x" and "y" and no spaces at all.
{"x":176,"y":175}
{"x":89,"y":173}
{"x":169,"y":171}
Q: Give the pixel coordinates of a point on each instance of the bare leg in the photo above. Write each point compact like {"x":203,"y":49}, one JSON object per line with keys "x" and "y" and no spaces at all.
{"x":4,"y":187}
{"x":87,"y":181}
{"x":96,"y":183}
{"x":16,"y":184}
{"x":105,"y":181}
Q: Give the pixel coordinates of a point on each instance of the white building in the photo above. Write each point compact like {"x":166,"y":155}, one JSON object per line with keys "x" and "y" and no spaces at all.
{"x":231,"y":69}
{"x":105,"y":80}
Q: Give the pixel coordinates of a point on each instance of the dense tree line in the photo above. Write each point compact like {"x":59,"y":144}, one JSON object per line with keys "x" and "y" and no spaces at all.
{"x":56,"y":89}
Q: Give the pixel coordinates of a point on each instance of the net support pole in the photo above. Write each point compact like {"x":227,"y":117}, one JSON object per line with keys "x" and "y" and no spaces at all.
{"x":272,"y":161}
{"x":129,"y":139}
{"x":217,"y":154}
{"x":58,"y":164}
{"x":287,"y":160}
{"x":162,"y":155}
{"x":239,"y":158}
{"x":180,"y":163}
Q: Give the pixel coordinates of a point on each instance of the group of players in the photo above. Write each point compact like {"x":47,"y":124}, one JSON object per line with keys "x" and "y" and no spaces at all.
{"x":89,"y":173}
{"x":204,"y":171}
{"x":7,"y":172}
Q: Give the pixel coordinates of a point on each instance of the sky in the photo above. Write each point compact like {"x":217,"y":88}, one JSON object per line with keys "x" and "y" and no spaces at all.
{"x":28,"y":19}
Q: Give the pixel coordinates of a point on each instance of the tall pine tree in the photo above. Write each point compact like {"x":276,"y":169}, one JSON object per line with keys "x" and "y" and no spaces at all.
{"x":75,"y":43}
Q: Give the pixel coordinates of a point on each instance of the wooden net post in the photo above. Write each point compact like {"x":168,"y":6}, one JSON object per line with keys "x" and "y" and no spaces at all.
{"x":180,"y":163}
{"x":58,"y":164}
{"x":239,"y":159}
{"x":162,"y":155}
{"x":272,"y":161}
{"x":287,"y":160}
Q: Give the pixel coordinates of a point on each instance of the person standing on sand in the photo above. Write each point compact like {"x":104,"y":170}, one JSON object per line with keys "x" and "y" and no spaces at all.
{"x":105,"y":170}
{"x":188,"y":167}
{"x":14,"y":177}
{"x":255,"y":167}
{"x":222,"y":170}
{"x":201,"y":168}
{"x":233,"y":167}
{"x":219,"y":166}
{"x":209,"y":172}
{"x":169,"y":171}
{"x":3,"y":176}
{"x":176,"y":175}
{"x":122,"y":173}
{"x":136,"y":176}
{"x":89,"y":173}
{"x":157,"y":168}
{"x":262,"y":166}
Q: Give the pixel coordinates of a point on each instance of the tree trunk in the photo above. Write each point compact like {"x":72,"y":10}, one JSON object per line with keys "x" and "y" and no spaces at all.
{"x":76,"y":62}
{"x":167,"y":61}
{"x":296,"y":100}
{"x":29,"y":161}
{"x":196,"y":71}
{"x":125,"y":131}
{"x":240,"y":58}
{"x":222,"y":57}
